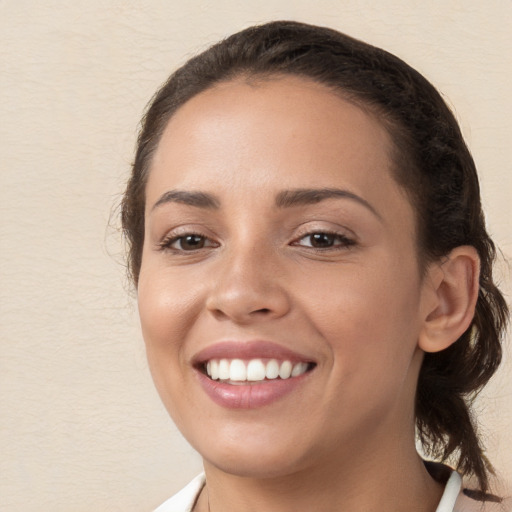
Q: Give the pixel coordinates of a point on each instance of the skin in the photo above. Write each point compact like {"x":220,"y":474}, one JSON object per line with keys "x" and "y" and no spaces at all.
{"x":345,"y":439}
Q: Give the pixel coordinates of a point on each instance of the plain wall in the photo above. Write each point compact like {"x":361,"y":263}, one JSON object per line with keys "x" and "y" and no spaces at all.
{"x":81,"y":427}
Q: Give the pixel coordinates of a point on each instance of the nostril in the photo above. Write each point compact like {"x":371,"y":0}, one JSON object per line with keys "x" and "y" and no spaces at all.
{"x":262,"y":310}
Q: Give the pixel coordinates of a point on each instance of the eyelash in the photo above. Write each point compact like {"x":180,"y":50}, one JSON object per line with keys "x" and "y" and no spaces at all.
{"x":167,"y":243}
{"x":343,"y":242}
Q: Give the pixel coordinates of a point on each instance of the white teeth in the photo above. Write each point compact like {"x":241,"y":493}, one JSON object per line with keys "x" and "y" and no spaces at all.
{"x":272,"y":370}
{"x":285,"y":371}
{"x":223,"y":369}
{"x":237,"y":370}
{"x":214,"y":369}
{"x":299,"y":369}
{"x":254,"y":370}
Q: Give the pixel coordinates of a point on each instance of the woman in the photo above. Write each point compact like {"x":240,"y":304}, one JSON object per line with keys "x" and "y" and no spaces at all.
{"x":314,"y":277}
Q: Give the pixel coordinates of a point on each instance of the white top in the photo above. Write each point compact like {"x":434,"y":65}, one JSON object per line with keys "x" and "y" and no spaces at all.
{"x":185,"y":499}
{"x":453,"y":499}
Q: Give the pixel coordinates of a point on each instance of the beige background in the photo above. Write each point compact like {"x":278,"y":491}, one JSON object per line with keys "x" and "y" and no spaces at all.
{"x":81,"y":427}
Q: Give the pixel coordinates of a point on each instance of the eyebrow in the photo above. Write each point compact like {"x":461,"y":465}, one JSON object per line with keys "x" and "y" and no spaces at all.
{"x":285,"y":199}
{"x":189,"y":198}
{"x":306,"y":196}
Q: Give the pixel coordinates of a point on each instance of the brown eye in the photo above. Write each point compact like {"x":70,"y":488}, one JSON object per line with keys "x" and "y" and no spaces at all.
{"x":321,"y":240}
{"x":324,"y":240}
{"x":187,"y":242}
{"x":190,"y":242}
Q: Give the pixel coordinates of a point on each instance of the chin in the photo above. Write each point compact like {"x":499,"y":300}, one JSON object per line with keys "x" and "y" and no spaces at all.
{"x":257,"y":459}
{"x":255,"y":466}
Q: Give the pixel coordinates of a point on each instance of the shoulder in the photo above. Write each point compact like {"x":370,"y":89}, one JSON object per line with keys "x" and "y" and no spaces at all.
{"x":185,"y":500}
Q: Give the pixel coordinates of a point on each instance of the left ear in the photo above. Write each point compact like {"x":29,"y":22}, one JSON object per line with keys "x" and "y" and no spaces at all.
{"x":449,"y":295}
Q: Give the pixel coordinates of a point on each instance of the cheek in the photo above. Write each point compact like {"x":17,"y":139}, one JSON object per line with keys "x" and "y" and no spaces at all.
{"x":167,"y":309}
{"x":368,"y":316}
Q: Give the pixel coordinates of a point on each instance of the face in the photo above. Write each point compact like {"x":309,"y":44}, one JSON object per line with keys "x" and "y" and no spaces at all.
{"x":277,"y":241}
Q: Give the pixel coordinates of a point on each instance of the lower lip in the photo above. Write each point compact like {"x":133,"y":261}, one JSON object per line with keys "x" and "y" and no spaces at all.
{"x":249,"y":396}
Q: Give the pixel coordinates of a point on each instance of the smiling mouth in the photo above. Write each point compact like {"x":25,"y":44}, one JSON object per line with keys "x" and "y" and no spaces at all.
{"x":240,"y":371}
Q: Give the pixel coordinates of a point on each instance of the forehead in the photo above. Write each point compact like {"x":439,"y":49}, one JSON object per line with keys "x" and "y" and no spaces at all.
{"x":269,"y":134}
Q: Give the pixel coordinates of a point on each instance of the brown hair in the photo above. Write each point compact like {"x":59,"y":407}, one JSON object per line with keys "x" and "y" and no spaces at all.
{"x":432,"y":163}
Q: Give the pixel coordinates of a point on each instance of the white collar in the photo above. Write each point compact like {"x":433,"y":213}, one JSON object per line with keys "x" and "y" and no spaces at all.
{"x":185,"y":500}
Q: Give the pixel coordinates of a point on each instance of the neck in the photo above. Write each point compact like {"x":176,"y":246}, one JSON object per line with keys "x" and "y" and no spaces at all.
{"x":369,"y":481}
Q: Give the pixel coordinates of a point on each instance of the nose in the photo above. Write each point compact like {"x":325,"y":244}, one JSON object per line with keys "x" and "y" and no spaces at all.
{"x":248,"y":288}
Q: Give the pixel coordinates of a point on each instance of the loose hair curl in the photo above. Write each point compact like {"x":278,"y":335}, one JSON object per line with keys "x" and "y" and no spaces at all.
{"x":432,"y":164}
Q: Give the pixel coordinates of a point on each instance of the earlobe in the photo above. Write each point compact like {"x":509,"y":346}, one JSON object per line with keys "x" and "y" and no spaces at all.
{"x":449,"y":299}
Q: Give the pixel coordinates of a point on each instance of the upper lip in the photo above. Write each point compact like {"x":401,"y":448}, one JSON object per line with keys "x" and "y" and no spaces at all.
{"x":248,"y":350}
